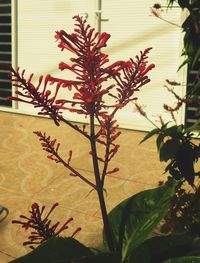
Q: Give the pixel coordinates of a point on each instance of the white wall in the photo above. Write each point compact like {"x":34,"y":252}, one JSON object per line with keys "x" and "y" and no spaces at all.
{"x":132,"y":29}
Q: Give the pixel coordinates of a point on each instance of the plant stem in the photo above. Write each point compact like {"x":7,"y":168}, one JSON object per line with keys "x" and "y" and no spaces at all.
{"x":108,"y":231}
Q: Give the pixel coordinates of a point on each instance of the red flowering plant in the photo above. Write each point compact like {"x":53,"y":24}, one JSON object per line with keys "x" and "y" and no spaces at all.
{"x":129,"y":223}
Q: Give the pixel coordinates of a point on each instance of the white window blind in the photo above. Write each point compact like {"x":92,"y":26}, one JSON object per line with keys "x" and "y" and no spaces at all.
{"x":132,"y":29}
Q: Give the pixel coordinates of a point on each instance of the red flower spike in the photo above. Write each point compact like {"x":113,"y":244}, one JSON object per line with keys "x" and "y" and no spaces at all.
{"x":49,"y":146}
{"x":41,"y":225}
{"x":28,"y":93}
{"x":130,"y":76}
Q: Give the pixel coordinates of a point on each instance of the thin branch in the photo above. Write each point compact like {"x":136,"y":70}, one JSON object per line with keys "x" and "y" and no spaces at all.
{"x":75,"y":172}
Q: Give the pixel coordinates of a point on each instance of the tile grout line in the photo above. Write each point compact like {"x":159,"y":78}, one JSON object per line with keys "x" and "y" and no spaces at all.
{"x":120,"y":178}
{"x":7,"y":254}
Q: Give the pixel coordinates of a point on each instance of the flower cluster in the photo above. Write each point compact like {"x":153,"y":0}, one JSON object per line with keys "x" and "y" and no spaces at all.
{"x":42,"y":228}
{"x":91,"y":69}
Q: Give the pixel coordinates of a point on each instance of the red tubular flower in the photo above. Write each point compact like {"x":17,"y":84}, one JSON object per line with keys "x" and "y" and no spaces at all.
{"x":41,"y":225}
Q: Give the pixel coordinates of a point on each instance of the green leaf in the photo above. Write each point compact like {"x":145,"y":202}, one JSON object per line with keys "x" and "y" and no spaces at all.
{"x":174,"y":131}
{"x":159,"y":140}
{"x":150,"y":134}
{"x":170,"y":3}
{"x":192,"y":259}
{"x":55,"y":249}
{"x":169,"y":149}
{"x":134,"y":219}
{"x":194,"y":128}
{"x":186,"y":61}
{"x":164,"y":126}
{"x":196,"y":57}
{"x":184,"y":3}
{"x":158,"y":249}
{"x":100,"y":258}
{"x":185,"y":160}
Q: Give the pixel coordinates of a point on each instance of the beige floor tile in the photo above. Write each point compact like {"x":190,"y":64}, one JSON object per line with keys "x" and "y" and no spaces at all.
{"x":26,"y":174}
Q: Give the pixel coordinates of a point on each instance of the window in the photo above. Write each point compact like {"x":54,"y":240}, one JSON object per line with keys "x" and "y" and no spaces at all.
{"x":191,"y":110}
{"x":5,"y":51}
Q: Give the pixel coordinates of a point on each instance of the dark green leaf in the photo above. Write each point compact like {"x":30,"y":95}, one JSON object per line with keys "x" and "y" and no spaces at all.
{"x":184,"y":3}
{"x":170,"y":2}
{"x":55,"y":249}
{"x":192,"y":259}
{"x":185,"y":159}
{"x":175,"y":173}
{"x":174,"y":131}
{"x":150,"y":134}
{"x":186,"y":61}
{"x":158,"y":249}
{"x":196,"y":57}
{"x":164,"y":127}
{"x":135,"y":218}
{"x":194,"y":128}
{"x":169,"y":149}
{"x":159,"y":140}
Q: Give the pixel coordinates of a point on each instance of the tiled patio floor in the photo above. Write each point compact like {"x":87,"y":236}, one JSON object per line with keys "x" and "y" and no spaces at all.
{"x":27,"y":176}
